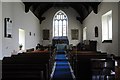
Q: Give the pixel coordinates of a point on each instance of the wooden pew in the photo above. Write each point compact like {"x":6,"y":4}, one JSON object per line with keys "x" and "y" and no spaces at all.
{"x":13,"y":70}
{"x":30,"y":50}
{"x":81,"y":63}
{"x":43,"y":58}
{"x":50,"y":55}
{"x":117,"y":73}
{"x":73,"y":55}
{"x":102,"y":68}
{"x":117,"y":67}
{"x":26,"y":65}
{"x":76,"y":64}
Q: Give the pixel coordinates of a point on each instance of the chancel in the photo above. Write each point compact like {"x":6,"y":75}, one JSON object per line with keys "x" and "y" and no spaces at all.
{"x":60,"y":40}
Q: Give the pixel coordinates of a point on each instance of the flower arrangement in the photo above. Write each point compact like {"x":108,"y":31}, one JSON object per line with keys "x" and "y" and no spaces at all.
{"x":20,"y":46}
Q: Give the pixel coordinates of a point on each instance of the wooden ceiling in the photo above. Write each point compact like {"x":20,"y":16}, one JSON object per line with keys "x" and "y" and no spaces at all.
{"x":83,"y":8}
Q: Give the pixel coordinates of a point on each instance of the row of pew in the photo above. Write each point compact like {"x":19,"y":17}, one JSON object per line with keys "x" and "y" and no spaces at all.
{"x":92,"y":65}
{"x":28,"y":65}
{"x":117,"y":67}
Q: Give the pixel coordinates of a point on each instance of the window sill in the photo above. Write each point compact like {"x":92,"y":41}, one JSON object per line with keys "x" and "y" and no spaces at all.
{"x":107,"y":41}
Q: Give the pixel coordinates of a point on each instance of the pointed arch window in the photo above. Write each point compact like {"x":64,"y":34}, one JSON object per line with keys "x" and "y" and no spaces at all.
{"x":60,"y":22}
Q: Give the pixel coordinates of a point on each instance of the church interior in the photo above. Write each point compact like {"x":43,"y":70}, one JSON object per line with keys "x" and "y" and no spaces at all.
{"x":59,"y":40}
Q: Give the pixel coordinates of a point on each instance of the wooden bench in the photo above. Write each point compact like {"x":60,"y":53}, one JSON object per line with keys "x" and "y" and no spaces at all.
{"x":117,"y":67}
{"x":26,"y":66}
{"x":102,"y":69}
{"x":82,"y":63}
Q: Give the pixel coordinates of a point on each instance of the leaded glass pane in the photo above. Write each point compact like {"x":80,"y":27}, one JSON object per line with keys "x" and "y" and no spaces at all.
{"x":60,"y":24}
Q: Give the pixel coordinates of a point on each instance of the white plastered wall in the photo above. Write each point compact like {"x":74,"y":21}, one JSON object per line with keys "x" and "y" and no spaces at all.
{"x":119,"y":28}
{"x":0,"y":30}
{"x":26,"y":21}
{"x":0,"y":40}
{"x":95,"y":20}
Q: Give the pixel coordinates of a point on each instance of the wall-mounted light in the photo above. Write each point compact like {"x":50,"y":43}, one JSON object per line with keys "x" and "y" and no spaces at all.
{"x":30,"y":33}
{"x":34,"y":34}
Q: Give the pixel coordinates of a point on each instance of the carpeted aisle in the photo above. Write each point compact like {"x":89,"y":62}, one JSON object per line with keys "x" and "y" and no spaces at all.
{"x":62,"y":69}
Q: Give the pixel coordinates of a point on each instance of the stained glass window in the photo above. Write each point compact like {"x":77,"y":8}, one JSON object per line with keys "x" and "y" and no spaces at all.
{"x":60,"y":23}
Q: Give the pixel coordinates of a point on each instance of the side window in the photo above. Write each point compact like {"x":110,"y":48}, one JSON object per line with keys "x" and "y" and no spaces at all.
{"x":107,"y":27}
{"x":84,"y":33}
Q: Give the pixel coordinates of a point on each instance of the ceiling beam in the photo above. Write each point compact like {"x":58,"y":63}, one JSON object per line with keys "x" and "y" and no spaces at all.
{"x":35,"y":6}
{"x":41,"y":19}
{"x":94,"y":6}
{"x":82,"y":8}
{"x":27,"y":6}
{"x":43,"y":8}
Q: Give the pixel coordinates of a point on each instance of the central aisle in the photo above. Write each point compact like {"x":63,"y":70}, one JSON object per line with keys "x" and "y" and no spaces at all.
{"x":62,"y":68}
